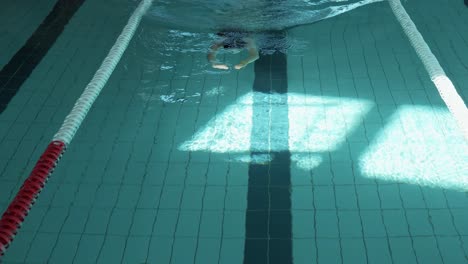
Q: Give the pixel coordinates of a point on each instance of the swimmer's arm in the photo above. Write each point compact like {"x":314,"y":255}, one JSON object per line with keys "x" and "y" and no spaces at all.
{"x":212,"y":53}
{"x":253,"y":54}
{"x":212,"y":57}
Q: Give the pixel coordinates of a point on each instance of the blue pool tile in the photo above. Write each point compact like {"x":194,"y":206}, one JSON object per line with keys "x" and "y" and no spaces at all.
{"x":372,"y":117}
{"x":6,"y":190}
{"x":350,"y":224}
{"x":456,"y":199}
{"x":112,"y":250}
{"x":177,"y":174}
{"x":149,"y":196}
{"x":217,"y":174}
{"x":142,"y":222}
{"x":76,"y":220}
{"x":236,"y":198}
{"x":300,"y":177}
{"x":442,"y":222}
{"x":114,"y":173}
{"x":120,"y":221}
{"x":232,"y":251}
{"x":378,"y":250}
{"x":329,"y":251}
{"x":237,"y":174}
{"x":136,"y":249}
{"x":74,"y":175}
{"x":434,"y":198}
{"x":184,"y":250}
{"x":34,"y":220}
{"x":396,"y":222}
{"x":160,"y":153}
{"x":346,"y":197}
{"x":193,"y":197}
{"x":327,"y":224}
{"x":197,"y":174}
{"x":278,"y":251}
{"x":412,"y":196}
{"x":106,"y":195}
{"x":207,"y":250}
{"x":214,"y":197}
{"x":54,"y":219}
{"x":302,"y":197}
{"x":372,"y":223}
{"x":166,"y":223}
{"x":419,"y":223}
{"x":324,"y":197}
{"x":171,"y":197}
{"x":277,"y":221}
{"x":65,"y":248}
{"x":18,"y":250}
{"x":343,"y":173}
{"x":402,"y":250}
{"x":88,"y":249}
{"x":211,"y":224}
{"x":188,"y":224}
{"x":460,"y":218}
{"x":451,"y":249}
{"x":128,"y":196}
{"x":368,"y":196}
{"x":155,"y":173}
{"x":24,"y":149}
{"x":4,"y":129}
{"x":12,"y":168}
{"x":427,"y":249}
{"x":354,"y":250}
{"x":303,"y":223}
{"x":65,"y":195}
{"x":389,"y":196}
{"x":98,"y":221}
{"x":41,"y":247}
{"x":160,"y":249}
{"x":304,"y":251}
{"x":47,"y":195}
{"x":322,"y":175}
{"x":338,"y":157}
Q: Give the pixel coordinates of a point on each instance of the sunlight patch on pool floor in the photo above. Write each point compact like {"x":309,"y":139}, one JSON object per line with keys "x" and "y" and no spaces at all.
{"x":314,"y":124}
{"x":419,"y":145}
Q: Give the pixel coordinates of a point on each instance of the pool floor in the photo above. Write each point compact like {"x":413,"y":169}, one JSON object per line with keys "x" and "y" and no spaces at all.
{"x":340,"y":151}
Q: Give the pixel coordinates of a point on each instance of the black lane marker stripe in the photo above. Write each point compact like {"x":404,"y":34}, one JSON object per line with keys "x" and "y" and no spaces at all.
{"x":18,"y":69}
{"x":268,"y":216}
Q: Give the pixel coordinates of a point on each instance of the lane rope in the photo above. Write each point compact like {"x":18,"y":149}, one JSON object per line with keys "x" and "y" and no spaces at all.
{"x":83,"y":104}
{"x":18,"y":209}
{"x":444,"y":85}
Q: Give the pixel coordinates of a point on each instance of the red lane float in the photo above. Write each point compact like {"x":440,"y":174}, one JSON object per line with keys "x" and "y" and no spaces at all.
{"x":19,"y":208}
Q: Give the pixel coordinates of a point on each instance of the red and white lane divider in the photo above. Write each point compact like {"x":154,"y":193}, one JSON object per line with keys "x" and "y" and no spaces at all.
{"x":444,"y":85}
{"x":19,"y":208}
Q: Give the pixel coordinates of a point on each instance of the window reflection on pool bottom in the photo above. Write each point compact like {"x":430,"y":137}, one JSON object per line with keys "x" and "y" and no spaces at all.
{"x":419,"y":145}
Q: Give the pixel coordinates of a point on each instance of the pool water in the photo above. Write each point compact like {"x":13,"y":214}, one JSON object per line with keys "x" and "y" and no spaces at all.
{"x":334,"y":146}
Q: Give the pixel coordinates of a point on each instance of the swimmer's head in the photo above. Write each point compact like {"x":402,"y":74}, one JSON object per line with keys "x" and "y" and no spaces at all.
{"x":232,"y":41}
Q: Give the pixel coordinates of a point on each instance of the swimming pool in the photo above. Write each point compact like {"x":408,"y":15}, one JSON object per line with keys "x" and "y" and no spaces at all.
{"x":333,"y":147}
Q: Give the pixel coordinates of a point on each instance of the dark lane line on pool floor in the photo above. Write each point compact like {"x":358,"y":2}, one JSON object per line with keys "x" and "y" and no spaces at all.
{"x":21,"y":65}
{"x":268,"y":216}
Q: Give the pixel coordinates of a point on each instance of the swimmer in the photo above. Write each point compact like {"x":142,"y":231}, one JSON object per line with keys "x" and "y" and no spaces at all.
{"x":233,"y":41}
